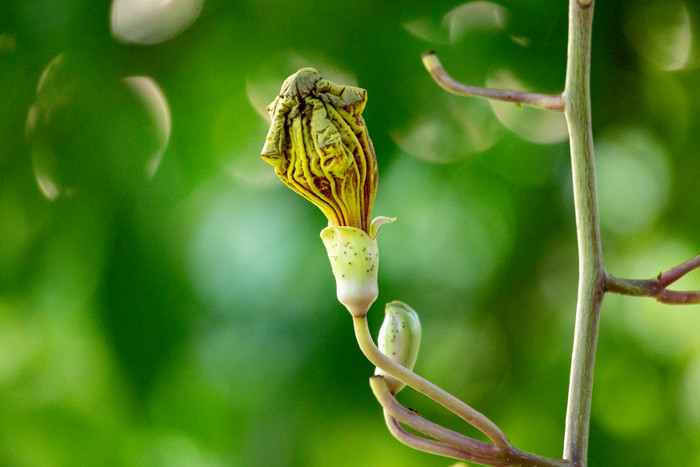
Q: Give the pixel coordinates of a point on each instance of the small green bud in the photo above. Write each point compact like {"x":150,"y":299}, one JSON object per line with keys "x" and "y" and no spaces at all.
{"x":399,"y":339}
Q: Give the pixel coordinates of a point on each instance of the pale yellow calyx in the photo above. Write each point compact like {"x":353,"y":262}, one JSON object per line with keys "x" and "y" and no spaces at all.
{"x":399,"y":339}
{"x":354,"y":258}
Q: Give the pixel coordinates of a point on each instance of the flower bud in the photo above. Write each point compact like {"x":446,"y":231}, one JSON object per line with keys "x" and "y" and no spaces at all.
{"x":320,"y":148}
{"x":399,"y":339}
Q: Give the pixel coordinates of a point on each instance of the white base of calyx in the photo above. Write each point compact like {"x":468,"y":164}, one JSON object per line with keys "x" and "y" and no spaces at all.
{"x":354,"y":257}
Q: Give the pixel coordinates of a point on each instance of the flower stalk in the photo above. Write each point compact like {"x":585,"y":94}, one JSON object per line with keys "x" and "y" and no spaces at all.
{"x":425,"y":387}
{"x":320,"y":148}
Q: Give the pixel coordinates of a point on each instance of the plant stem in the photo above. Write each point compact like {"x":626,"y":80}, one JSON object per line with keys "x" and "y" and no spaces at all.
{"x":577,"y":109}
{"x":653,"y":288}
{"x":418,"y":423}
{"x":422,"y":385}
{"x":462,"y":447}
{"x":672,"y":275}
{"x":451,"y":85}
{"x":431,"y":446}
{"x":656,"y":288}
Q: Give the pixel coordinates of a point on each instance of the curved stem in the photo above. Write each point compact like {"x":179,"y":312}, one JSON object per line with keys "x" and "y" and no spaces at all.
{"x":431,"y":446}
{"x":422,"y":385}
{"x":484,"y":453}
{"x":591,"y":268}
{"x":451,"y":85}
{"x":415,"y":421}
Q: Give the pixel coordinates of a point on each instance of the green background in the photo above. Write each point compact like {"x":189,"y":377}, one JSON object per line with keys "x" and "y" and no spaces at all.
{"x":189,"y":318}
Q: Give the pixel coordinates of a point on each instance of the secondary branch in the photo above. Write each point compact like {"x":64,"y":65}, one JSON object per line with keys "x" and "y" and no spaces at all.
{"x":657,"y":288}
{"x":448,"y":83}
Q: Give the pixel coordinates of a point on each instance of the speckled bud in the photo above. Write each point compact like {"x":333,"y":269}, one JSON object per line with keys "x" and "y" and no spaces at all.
{"x":399,"y":339}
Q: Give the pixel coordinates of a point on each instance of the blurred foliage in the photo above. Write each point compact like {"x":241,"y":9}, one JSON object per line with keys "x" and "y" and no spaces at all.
{"x":164,"y":300}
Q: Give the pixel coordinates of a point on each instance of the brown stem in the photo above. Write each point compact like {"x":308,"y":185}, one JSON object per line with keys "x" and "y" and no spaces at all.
{"x":479,"y":451}
{"x":432,"y":446}
{"x":672,"y":275}
{"x":422,"y":385}
{"x":448,"y":83}
{"x":415,"y":421}
{"x":657,"y":288}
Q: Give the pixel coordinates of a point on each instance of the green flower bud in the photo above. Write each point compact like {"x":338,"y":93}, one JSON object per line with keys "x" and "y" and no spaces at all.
{"x":320,"y":148}
{"x":354,"y":259}
{"x":399,"y":339}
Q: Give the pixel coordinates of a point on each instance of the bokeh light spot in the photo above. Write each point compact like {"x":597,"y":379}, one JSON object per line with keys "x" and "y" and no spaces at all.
{"x":261,"y":92}
{"x":475,"y":16}
{"x":427,"y":30}
{"x":445,"y":235}
{"x":689,"y":401}
{"x":633,"y":180}
{"x":241,"y":241}
{"x":463,"y":128}
{"x":460,"y":21}
{"x":661,"y":32}
{"x":529,"y":123}
{"x":20,"y":343}
{"x":152,"y":21}
{"x":626,"y":403}
{"x":88,"y":132}
{"x":155,"y":103}
{"x":177,"y":450}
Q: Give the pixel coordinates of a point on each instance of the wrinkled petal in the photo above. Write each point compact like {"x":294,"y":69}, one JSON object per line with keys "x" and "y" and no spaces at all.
{"x":320,"y":148}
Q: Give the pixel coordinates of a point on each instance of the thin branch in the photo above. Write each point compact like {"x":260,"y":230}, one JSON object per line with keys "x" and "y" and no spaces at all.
{"x":448,"y":83}
{"x":415,"y":421}
{"x":422,"y":385}
{"x":432,"y":446}
{"x":673,"y":297}
{"x":672,"y":275}
{"x":488,"y":454}
{"x":657,"y":288}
